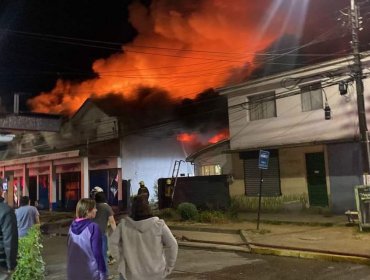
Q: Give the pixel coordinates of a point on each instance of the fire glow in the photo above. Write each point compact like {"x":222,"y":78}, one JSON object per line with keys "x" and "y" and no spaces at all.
{"x":182,"y":47}
{"x":195,"y":138}
{"x":222,"y":135}
{"x":187,"y":137}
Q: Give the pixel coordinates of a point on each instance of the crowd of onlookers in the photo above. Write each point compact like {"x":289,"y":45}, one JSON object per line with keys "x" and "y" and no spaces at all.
{"x":142,"y":244}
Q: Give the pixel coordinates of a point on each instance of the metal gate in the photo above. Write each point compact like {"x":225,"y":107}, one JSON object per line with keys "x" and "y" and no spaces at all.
{"x":252,"y":174}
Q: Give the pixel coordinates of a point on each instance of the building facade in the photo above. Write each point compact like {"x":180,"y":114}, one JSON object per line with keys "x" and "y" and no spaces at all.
{"x":310,"y":129}
{"x":56,"y":169}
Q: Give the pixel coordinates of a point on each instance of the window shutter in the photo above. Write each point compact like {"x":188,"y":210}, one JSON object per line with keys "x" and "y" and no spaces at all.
{"x":252,"y":174}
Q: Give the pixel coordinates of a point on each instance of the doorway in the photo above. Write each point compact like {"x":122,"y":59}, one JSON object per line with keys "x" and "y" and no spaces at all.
{"x":316,"y":179}
{"x":32,"y":189}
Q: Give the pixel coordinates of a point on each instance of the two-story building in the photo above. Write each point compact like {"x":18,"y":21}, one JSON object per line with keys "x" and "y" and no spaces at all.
{"x":309,"y":125}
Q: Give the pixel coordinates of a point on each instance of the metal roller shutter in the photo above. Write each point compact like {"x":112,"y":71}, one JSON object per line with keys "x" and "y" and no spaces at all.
{"x":252,"y":174}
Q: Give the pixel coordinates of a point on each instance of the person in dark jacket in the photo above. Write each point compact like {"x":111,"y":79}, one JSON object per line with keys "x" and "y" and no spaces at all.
{"x":8,"y":239}
{"x":143,"y":190}
{"x":104,"y":216}
{"x":85,"y":258}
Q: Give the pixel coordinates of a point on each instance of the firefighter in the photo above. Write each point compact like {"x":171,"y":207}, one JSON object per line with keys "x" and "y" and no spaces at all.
{"x":143,"y":189}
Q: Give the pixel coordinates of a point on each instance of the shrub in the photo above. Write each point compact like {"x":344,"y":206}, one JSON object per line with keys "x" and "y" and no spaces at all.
{"x":187,"y":211}
{"x":212,"y":217}
{"x":30,"y":263}
{"x":168,"y":213}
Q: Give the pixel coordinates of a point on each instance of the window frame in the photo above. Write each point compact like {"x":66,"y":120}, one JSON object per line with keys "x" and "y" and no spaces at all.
{"x":260,"y":104}
{"x":307,"y":92}
{"x":211,"y":169}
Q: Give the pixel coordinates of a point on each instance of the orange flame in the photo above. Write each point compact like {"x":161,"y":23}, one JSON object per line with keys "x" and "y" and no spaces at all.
{"x":222,"y":135}
{"x":187,"y":137}
{"x":182,"y":50}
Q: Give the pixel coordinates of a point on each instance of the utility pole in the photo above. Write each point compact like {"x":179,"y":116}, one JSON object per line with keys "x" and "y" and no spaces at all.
{"x":357,"y":72}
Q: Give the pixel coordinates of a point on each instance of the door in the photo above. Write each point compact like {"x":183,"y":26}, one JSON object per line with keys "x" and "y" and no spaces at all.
{"x":316,"y":179}
{"x":43,"y":192}
{"x":32,"y":189}
{"x":71,"y":190}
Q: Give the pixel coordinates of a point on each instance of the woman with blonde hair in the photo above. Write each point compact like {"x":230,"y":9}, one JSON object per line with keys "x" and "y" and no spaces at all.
{"x":143,"y":244}
{"x":85,"y":259}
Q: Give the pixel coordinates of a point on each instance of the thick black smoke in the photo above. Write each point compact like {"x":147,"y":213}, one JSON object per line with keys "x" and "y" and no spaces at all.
{"x":154,"y":108}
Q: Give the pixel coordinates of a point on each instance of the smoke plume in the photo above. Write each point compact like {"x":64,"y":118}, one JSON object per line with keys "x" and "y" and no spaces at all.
{"x":182,"y":47}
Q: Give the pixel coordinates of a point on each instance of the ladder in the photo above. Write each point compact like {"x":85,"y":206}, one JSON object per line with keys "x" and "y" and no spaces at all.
{"x":175,"y":174}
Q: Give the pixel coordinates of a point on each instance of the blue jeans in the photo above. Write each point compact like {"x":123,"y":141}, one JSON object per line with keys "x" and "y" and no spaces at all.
{"x":105,"y":250}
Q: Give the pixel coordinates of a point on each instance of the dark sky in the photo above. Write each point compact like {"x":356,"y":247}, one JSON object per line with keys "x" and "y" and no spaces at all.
{"x":31,"y":59}
{"x":31,"y":63}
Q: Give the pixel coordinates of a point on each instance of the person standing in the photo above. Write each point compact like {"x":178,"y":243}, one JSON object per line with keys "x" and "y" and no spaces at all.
{"x":8,"y":239}
{"x":143,"y":190}
{"x":143,"y":244}
{"x":27,"y":216}
{"x":103,"y":217}
{"x":85,"y":259}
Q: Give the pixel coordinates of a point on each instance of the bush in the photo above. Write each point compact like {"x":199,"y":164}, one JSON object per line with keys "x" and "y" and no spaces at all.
{"x":30,"y":263}
{"x":168,"y":213}
{"x":212,"y":217}
{"x":187,"y":211}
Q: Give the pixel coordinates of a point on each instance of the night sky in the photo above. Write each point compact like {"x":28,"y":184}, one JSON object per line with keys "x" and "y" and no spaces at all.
{"x":179,"y":48}
{"x":31,"y":61}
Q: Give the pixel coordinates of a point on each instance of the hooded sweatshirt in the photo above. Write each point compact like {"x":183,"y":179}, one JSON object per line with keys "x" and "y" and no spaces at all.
{"x":85,"y":259}
{"x":145,"y":249}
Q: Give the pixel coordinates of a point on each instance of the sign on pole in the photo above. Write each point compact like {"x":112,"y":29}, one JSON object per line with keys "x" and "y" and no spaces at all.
{"x":263,"y":159}
{"x":263,"y":163}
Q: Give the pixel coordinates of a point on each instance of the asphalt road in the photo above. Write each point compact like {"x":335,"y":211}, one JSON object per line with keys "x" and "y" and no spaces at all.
{"x":194,"y":264}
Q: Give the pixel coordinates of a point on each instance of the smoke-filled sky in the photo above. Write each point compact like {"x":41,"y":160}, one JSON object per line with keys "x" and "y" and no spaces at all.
{"x":58,"y":53}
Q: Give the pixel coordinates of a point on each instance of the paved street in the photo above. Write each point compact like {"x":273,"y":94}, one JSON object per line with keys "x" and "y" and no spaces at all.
{"x":194,"y":264}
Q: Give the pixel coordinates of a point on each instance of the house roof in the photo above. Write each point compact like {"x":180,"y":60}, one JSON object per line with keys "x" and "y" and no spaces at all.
{"x":196,"y":154}
{"x":30,"y":122}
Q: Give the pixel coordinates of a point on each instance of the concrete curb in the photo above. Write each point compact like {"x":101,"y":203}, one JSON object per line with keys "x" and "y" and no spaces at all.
{"x":265,"y":249}
{"x":203,"y":229}
{"x":217,"y":247}
{"x":301,"y":253}
{"x":308,"y":255}
{"x":236,"y":244}
{"x":298,"y":223}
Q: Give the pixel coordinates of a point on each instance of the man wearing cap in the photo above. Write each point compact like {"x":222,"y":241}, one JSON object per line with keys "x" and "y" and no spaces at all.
{"x":8,"y":239}
{"x":143,"y":190}
{"x":104,"y":216}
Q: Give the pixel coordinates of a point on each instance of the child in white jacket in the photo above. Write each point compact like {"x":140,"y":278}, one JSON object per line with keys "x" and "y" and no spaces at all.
{"x":143,"y":245}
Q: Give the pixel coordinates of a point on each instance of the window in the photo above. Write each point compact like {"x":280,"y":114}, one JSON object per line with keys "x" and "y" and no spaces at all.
{"x":311,"y":97}
{"x":262,"y":106}
{"x":214,"y":169}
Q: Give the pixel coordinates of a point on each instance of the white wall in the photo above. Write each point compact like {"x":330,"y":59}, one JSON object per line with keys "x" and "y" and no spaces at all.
{"x":293,"y":126}
{"x":212,"y":157}
{"x":146,"y":158}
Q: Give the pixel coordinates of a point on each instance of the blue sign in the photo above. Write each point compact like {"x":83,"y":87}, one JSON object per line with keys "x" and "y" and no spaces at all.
{"x":263,"y":160}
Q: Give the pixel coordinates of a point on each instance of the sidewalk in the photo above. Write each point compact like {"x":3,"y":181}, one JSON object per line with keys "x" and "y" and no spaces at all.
{"x":297,"y":235}
{"x":288,"y":234}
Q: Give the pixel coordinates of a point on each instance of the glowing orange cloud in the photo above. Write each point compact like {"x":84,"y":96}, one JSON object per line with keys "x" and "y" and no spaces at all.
{"x":187,"y":137}
{"x":222,"y":135}
{"x":179,"y":48}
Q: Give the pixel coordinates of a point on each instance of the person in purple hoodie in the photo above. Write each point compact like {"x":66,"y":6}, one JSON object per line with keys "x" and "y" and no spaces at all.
{"x":85,"y":259}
